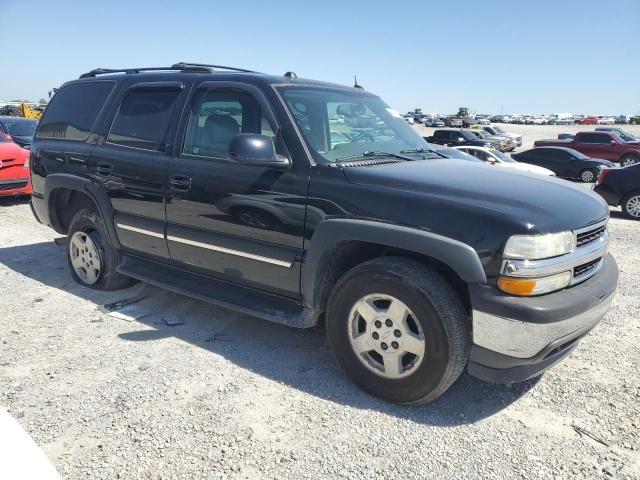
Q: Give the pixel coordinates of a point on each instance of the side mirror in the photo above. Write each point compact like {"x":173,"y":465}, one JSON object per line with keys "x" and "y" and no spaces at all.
{"x":461,"y":139}
{"x":256,"y":150}
{"x":613,"y":142}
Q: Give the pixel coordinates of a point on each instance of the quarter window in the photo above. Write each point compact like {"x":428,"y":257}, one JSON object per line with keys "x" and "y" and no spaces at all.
{"x":143,"y":119}
{"x":220,"y":114}
{"x":73,"y":110}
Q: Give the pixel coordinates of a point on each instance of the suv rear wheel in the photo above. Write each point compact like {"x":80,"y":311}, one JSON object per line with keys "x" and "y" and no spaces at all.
{"x":629,"y":159}
{"x":91,"y":257}
{"x":398,"y":329}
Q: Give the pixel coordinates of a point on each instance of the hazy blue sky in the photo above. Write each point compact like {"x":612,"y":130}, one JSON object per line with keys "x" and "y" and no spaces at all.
{"x":535,"y":56}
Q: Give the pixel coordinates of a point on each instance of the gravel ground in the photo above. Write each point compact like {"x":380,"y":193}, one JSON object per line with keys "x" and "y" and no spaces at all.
{"x":220,"y":395}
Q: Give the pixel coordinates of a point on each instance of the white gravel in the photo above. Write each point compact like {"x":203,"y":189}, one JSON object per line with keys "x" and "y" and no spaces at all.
{"x":227,"y":396}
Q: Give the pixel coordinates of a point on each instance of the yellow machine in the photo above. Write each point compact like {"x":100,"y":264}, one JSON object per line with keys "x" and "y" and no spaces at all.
{"x":28,"y":112}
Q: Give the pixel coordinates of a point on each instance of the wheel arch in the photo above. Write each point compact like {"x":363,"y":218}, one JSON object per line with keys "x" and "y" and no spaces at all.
{"x":338,"y":245}
{"x":66,"y":194}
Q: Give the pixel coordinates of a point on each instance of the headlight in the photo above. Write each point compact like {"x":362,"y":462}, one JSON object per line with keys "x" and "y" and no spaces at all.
{"x":537,"y":247}
{"x":534,"y":286}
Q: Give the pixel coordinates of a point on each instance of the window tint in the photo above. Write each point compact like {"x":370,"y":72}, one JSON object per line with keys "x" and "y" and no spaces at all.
{"x":143,"y":119}
{"x":594,"y":138}
{"x":220,"y":114}
{"x":73,"y":110}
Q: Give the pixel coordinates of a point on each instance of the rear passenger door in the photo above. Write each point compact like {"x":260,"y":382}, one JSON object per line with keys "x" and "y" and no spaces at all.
{"x":132,"y":162}
{"x":241,"y":223}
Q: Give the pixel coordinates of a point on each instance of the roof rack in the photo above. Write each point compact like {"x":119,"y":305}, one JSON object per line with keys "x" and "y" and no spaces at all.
{"x":180,"y":66}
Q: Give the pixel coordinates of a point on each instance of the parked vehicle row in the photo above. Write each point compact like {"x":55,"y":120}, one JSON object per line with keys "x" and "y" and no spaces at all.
{"x":454,"y":137}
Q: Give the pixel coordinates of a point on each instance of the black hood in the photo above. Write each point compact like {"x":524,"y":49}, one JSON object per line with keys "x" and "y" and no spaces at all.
{"x":519,"y":201}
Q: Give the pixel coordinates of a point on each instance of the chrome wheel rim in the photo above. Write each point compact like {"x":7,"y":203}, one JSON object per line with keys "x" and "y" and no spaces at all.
{"x":85,"y":258}
{"x":630,"y":161}
{"x":587,"y":176}
{"x":633,"y":206}
{"x":386,"y":336}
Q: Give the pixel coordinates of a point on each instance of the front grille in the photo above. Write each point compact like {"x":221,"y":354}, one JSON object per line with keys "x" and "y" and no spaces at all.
{"x":590,"y":235}
{"x":12,"y":186}
{"x":585,"y":267}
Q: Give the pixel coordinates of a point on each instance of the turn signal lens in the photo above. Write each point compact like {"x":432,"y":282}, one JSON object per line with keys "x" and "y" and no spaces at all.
{"x":534,"y":286}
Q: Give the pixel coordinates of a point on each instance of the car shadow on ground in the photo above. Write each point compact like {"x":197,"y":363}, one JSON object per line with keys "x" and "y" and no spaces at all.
{"x":14,"y":200}
{"x":298,"y":358}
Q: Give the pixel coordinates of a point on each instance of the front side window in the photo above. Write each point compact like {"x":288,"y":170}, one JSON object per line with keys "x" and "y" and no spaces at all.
{"x":73,"y":110}
{"x":143,"y":119}
{"x":220,"y":114}
{"x":594,"y":138}
{"x":337,"y":124}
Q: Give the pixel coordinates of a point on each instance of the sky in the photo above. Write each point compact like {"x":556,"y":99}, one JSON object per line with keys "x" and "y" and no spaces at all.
{"x":493,"y":56}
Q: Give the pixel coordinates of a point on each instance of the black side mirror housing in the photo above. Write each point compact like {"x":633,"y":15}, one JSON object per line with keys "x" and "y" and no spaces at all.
{"x":257,"y":150}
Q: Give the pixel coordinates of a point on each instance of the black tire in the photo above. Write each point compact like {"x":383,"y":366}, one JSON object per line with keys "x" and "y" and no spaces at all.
{"x":90,"y":222}
{"x":587,"y":176}
{"x":627,"y":210}
{"x":629,"y":159}
{"x":439,"y":310}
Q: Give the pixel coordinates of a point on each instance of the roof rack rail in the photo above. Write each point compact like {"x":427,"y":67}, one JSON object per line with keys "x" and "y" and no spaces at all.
{"x":181,"y":66}
{"x":184,"y":65}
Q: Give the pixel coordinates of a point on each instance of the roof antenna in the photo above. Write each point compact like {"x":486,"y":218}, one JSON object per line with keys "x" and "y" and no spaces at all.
{"x":355,"y":83}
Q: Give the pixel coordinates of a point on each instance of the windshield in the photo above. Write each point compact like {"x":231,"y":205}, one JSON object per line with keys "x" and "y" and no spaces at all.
{"x":626,"y":136}
{"x":502,"y":157}
{"x":21,"y":127}
{"x":337,"y":124}
{"x":498,"y":130}
{"x":481,"y":133}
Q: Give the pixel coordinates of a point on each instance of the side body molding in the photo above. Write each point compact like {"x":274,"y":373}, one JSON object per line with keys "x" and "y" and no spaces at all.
{"x":327,"y":236}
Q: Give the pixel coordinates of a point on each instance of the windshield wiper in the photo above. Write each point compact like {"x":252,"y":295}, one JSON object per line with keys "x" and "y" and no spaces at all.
{"x":423,"y":150}
{"x":374,"y":153}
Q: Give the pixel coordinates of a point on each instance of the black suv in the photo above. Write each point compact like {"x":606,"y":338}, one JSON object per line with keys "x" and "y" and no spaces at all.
{"x":454,"y":137}
{"x":299,"y":201}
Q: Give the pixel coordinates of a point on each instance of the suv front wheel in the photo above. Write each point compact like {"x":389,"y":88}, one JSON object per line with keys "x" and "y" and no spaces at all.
{"x":92,"y":259}
{"x":398,"y":329}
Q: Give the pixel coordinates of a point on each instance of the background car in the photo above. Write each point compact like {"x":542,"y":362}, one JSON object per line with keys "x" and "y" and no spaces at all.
{"x":564,"y":162}
{"x":589,"y":120}
{"x":20,"y":129}
{"x":623,"y":134}
{"x":621,"y":187}
{"x":513,"y":140}
{"x":453,"y":137}
{"x":14,"y":169}
{"x":495,"y":157}
{"x":606,"y":121}
{"x":503,"y":143}
{"x":454,"y":153}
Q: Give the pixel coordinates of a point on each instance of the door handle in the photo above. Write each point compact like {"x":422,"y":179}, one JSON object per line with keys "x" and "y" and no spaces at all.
{"x":180,"y":182}
{"x":104,"y":169}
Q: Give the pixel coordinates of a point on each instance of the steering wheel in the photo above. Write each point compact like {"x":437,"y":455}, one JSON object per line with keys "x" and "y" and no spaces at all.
{"x":362,"y":135}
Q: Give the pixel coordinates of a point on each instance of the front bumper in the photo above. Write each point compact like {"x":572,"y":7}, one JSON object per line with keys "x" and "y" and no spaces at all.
{"x":15,"y":186}
{"x":517,"y":338}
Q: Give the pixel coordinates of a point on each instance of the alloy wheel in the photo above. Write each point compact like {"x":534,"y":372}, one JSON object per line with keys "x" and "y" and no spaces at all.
{"x":386,"y":336}
{"x":85,"y":257}
{"x":633,"y":206}
{"x":587,"y":176}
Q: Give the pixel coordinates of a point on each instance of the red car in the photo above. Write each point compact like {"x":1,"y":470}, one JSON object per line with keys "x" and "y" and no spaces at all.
{"x":14,"y":169}
{"x":606,"y":145}
{"x":590,"y":120}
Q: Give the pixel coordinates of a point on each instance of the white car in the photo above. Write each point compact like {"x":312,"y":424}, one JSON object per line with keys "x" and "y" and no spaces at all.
{"x":498,"y":158}
{"x":606,"y":121}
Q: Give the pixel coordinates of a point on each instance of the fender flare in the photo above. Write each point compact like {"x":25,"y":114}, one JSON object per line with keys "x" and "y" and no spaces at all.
{"x":97,"y":194}
{"x":460,"y":257}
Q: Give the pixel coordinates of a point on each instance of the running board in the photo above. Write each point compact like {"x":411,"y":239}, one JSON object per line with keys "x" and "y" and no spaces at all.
{"x":227,"y":295}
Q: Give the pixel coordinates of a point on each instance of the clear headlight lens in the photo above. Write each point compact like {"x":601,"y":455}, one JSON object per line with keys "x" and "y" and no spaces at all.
{"x":534,"y":286}
{"x":537,"y":247}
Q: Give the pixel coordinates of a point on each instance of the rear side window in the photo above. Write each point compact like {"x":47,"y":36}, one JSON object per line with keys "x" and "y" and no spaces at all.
{"x":594,"y":138}
{"x":73,"y":111}
{"x":143,"y":119}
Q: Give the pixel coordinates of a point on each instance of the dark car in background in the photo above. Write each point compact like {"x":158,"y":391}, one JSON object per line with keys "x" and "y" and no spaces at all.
{"x":454,"y":137}
{"x":565,"y":162}
{"x":621,"y":187}
{"x":20,"y":129}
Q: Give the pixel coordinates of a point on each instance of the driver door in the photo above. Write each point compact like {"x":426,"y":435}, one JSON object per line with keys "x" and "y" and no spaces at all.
{"x":241,"y":223}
